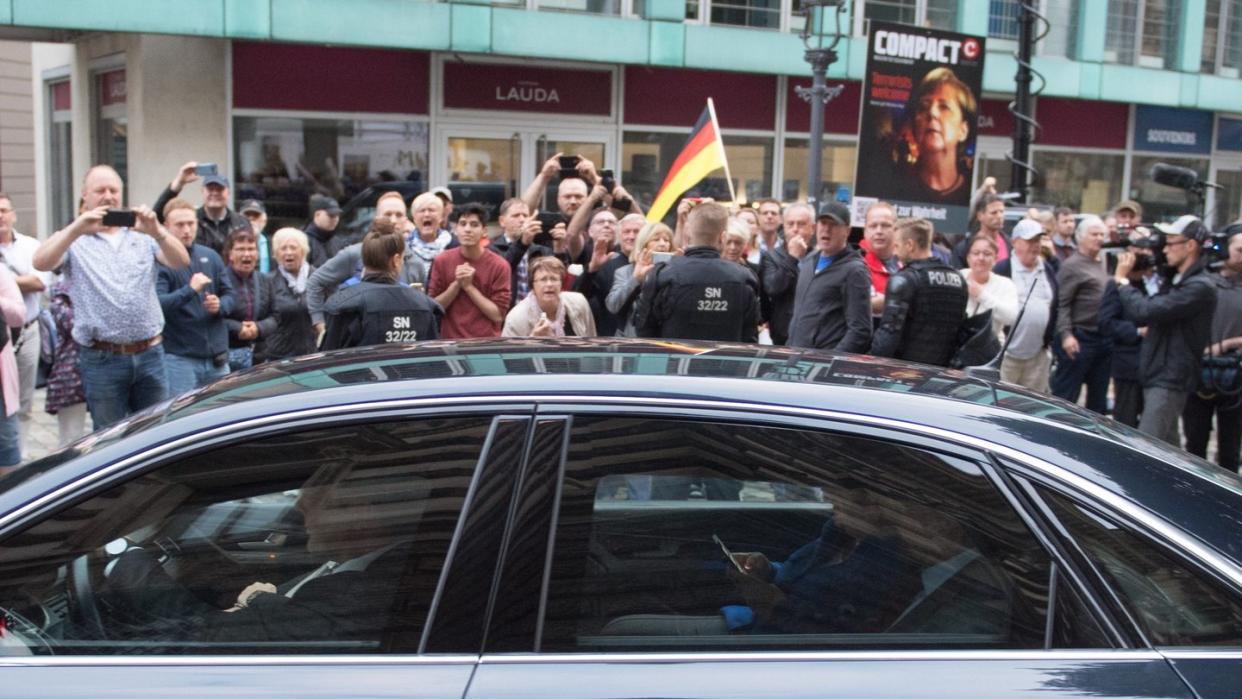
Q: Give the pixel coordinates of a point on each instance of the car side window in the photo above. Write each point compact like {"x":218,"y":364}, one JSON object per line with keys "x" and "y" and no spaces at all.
{"x":1174,"y":603}
{"x":689,"y":535}
{"x":326,"y":540}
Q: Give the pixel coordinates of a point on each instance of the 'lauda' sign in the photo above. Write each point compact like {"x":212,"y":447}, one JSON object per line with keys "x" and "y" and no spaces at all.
{"x":518,"y":88}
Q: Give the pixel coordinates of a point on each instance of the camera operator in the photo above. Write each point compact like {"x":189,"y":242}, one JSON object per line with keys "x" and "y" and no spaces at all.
{"x":1126,"y":336}
{"x":1226,"y":341}
{"x":1178,"y":325}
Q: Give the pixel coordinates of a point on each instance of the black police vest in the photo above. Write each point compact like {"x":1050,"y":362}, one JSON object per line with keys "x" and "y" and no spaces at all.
{"x":706,"y":298}
{"x":394,"y":313}
{"x":937,"y":310}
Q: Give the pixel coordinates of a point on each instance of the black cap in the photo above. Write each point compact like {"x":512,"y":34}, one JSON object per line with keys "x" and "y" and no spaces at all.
{"x":319,"y":202}
{"x":253,"y":205}
{"x":835,"y":211}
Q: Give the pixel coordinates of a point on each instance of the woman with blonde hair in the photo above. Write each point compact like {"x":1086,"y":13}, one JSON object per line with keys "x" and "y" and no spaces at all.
{"x":294,"y":335}
{"x":547,"y":311}
{"x":628,"y":280}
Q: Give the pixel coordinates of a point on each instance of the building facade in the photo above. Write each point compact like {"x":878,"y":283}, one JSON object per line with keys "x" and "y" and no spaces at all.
{"x":293,"y":97}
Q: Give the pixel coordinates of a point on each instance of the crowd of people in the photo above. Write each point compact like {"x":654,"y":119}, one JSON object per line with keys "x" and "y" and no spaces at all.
{"x":171,"y":297}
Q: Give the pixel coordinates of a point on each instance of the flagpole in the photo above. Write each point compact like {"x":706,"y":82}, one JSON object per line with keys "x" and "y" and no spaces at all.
{"x":711,"y":109}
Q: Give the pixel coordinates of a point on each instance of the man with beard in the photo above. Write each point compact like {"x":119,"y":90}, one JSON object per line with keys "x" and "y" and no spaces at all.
{"x":832,"y":301}
{"x":215,"y":220}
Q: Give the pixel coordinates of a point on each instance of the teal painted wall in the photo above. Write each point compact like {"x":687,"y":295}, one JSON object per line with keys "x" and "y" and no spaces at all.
{"x":662,"y":39}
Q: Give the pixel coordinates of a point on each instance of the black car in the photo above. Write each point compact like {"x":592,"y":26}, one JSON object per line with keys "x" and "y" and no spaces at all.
{"x":610,"y":518}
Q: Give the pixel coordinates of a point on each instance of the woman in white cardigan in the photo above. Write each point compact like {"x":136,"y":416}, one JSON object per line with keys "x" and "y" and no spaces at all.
{"x":988,"y":290}
{"x":547,"y":311}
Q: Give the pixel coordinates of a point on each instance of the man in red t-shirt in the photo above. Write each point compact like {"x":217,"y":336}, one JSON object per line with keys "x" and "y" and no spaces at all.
{"x":878,"y":252}
{"x":470,"y":282}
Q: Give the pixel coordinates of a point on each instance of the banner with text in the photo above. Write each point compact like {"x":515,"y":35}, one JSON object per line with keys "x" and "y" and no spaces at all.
{"x":920,"y":109}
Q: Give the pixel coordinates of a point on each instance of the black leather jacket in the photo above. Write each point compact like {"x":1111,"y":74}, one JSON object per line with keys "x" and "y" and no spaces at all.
{"x":924,"y":307}
{"x":378,"y":310}
{"x":1179,"y":326}
{"x":699,"y":297}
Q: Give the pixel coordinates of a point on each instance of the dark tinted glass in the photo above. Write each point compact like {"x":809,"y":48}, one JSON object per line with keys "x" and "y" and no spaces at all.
{"x":840,"y":542}
{"x":323,"y":541}
{"x":1173,"y":602}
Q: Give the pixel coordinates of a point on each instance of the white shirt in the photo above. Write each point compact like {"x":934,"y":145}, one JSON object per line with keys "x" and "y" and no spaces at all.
{"x":19,"y":257}
{"x":1028,"y":337}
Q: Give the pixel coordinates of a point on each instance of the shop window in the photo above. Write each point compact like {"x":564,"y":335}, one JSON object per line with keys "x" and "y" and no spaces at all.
{"x":60,"y":153}
{"x":1222,"y":38}
{"x":837,"y":170}
{"x":1142,"y":32}
{"x":936,"y":14}
{"x":1228,"y":205}
{"x":646,"y":157}
{"x":1089,"y":182}
{"x":1160,"y":202}
{"x":111,"y":121}
{"x":282,"y":161}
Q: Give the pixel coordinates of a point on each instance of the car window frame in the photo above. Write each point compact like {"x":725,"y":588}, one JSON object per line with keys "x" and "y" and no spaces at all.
{"x":917,"y":437}
{"x":1031,"y":483}
{"x":89,"y":485}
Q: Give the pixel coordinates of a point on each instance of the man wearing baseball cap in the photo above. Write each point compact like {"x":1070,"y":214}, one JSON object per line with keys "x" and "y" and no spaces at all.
{"x":832,"y":300}
{"x":1179,"y":325}
{"x":1028,"y":361}
{"x":325,"y":217}
{"x":446,"y":196}
{"x":215,"y":220}
{"x":256,"y":213}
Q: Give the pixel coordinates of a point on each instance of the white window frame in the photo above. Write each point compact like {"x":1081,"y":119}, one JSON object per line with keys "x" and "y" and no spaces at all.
{"x":1141,"y":60}
{"x":1222,"y":39}
{"x":860,"y":12}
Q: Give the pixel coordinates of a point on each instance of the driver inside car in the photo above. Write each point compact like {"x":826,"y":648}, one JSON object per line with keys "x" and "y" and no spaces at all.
{"x":360,"y":523}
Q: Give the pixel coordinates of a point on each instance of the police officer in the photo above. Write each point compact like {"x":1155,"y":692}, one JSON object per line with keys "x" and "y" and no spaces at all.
{"x":379,"y":309}
{"x":699,"y":296}
{"x":926,"y":302}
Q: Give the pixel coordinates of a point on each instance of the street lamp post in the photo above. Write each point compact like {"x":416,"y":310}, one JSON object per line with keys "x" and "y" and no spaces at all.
{"x":821,"y":52}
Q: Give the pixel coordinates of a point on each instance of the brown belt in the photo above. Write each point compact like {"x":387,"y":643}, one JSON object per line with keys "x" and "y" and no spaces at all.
{"x":129,"y":347}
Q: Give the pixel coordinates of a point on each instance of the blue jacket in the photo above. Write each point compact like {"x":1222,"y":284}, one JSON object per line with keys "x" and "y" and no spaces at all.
{"x":189,"y":330}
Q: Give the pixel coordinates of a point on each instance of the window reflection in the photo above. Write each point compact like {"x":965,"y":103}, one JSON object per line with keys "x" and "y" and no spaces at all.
{"x":282,"y":161}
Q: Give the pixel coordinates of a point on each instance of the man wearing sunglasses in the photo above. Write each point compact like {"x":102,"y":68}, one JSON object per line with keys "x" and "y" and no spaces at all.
{"x":1179,"y":322}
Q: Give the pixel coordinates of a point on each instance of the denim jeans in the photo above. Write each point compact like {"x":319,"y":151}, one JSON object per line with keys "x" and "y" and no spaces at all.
{"x":119,"y":384}
{"x":10,"y":445}
{"x":241,"y":358}
{"x":1092,"y":367}
{"x":188,"y":373}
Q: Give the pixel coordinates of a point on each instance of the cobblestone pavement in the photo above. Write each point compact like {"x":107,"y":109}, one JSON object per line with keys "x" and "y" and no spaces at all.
{"x":42,"y":438}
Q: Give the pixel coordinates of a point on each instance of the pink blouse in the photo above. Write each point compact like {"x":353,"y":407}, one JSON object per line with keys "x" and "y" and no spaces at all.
{"x":13,"y":309}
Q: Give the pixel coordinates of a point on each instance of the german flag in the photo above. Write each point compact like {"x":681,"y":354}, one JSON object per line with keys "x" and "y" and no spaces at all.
{"x":703,"y":153}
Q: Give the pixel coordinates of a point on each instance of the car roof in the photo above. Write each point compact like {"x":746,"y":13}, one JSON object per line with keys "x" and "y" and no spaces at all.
{"x":1120,"y":459}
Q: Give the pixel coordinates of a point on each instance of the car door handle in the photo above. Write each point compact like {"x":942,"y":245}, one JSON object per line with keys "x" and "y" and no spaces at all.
{"x":274,"y":540}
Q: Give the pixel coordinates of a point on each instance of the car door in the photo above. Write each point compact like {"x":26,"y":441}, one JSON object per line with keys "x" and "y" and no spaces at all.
{"x":868,"y":563}
{"x":1181,"y":606}
{"x":358,"y":521}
